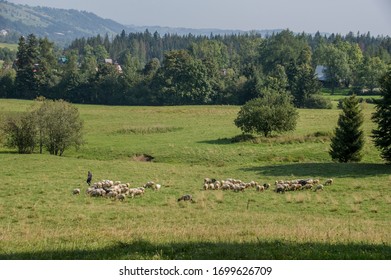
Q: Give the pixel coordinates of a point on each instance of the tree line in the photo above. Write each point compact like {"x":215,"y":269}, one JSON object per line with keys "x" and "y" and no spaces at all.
{"x":149,"y":69}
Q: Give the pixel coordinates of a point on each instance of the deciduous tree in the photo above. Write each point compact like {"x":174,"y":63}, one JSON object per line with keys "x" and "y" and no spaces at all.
{"x":273,"y":112}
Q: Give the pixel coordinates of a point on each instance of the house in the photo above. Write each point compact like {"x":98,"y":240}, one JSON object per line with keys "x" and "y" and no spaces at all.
{"x":3,"y":32}
{"x":116,"y":65}
{"x":320,"y":73}
{"x":108,"y":61}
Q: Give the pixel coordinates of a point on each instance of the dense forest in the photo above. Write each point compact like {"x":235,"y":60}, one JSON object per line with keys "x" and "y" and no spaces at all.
{"x":150,"y":69}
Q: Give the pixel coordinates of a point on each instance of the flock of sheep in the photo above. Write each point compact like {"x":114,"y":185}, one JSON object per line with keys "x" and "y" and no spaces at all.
{"x":301,"y":184}
{"x":281,"y":186}
{"x":119,"y":191}
{"x":232,"y":184}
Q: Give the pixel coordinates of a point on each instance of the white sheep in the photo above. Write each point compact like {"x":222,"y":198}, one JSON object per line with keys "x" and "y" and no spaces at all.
{"x":328,"y":182}
{"x":76,"y":191}
{"x":318,"y":188}
{"x":239,"y":188}
{"x":136,"y":192}
{"x":207,"y":181}
{"x":111,"y":194}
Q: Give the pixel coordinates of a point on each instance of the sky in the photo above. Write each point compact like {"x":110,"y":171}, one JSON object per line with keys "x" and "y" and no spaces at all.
{"x":331,"y":16}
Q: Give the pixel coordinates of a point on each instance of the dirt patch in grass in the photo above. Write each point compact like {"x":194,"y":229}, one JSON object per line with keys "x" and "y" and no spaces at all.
{"x":143,"y":158}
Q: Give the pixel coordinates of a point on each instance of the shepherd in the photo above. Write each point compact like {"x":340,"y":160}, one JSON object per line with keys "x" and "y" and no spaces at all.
{"x":89,"y":178}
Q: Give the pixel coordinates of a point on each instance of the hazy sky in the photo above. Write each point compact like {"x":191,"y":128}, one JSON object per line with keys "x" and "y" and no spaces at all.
{"x":338,"y":16}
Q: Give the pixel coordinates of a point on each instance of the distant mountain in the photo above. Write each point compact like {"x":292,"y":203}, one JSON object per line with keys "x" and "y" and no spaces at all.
{"x":59,"y":25}
{"x":62,"y":26}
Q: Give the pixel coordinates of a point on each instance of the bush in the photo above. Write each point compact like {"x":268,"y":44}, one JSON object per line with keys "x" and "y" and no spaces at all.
{"x":60,"y":126}
{"x":318,"y":102}
{"x":53,"y":124}
{"x":20,"y":133}
{"x":274,"y":112}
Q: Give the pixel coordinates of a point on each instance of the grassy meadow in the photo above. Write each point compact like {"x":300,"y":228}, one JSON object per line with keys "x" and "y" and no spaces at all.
{"x":41,"y":219}
{"x":12,"y":47}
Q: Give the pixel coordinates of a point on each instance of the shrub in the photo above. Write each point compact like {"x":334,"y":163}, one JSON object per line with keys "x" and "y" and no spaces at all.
{"x":60,"y":126}
{"x":274,"y":112}
{"x":318,"y":102}
{"x":21,"y":133}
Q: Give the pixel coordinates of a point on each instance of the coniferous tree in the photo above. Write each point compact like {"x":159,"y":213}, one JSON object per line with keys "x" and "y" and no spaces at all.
{"x":47,"y":70}
{"x":348,"y":140}
{"x":382,"y":116}
{"x":27,"y":67}
{"x":24,"y":68}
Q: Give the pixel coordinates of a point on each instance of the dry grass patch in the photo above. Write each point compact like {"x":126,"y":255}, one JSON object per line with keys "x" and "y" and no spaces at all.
{"x":142,"y":130}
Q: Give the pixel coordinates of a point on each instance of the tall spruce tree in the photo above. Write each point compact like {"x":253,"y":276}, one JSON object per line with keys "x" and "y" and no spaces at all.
{"x":27,"y":67}
{"x":382,"y":116}
{"x":348,"y":140}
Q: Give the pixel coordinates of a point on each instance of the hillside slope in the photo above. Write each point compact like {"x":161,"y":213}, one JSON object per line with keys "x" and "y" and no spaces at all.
{"x":59,"y":25}
{"x":63,"y":26}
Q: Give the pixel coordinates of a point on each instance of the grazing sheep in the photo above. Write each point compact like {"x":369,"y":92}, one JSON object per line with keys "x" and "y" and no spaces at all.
{"x":111,"y":194}
{"x":136,"y":192}
{"x":308,"y":186}
{"x":328,"y":182}
{"x":76,"y":191}
{"x":120,"y":197}
{"x":279,"y":188}
{"x":208,"y":181}
{"x":149,"y":185}
{"x":186,"y":197}
{"x":318,"y":188}
{"x":266,"y":186}
{"x":239,"y":188}
{"x":259,"y":188}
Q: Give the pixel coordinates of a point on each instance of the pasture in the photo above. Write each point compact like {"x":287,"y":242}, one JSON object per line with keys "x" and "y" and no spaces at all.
{"x":41,"y":219}
{"x":12,"y":47}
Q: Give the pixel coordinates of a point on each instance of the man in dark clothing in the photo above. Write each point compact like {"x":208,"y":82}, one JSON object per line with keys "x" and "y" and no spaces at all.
{"x":89,"y":178}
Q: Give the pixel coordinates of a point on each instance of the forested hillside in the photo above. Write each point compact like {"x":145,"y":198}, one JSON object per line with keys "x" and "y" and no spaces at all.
{"x":59,"y":25}
{"x":62,"y":26}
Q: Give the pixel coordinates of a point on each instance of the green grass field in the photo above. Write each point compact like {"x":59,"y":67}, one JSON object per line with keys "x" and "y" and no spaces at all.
{"x":41,"y":219}
{"x":12,"y":47}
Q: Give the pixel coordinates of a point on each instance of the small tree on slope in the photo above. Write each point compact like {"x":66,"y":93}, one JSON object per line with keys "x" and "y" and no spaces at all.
{"x":348,"y":140}
{"x":273,"y":112}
